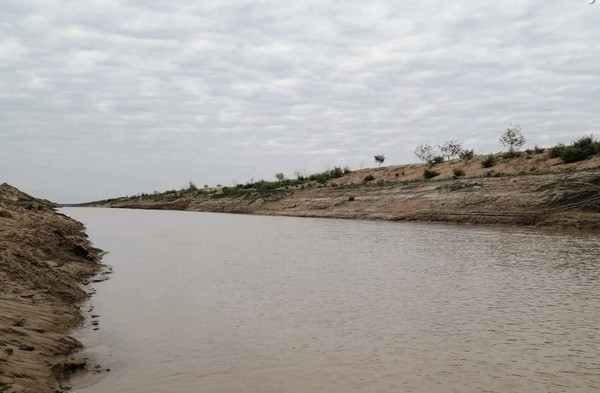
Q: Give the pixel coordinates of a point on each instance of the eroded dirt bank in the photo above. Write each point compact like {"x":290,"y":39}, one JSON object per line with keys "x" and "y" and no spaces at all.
{"x":44,"y":258}
{"x":570,"y":199}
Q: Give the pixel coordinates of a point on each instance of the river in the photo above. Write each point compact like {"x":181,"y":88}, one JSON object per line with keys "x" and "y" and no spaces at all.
{"x":202,"y":302}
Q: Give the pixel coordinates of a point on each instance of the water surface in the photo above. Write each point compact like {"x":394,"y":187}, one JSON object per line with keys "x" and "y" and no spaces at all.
{"x":230,"y":303}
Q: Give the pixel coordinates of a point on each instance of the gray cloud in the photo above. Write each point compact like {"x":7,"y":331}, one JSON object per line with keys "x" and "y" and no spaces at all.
{"x":103,"y":98}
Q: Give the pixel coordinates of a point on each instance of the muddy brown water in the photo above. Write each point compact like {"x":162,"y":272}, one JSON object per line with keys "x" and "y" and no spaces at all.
{"x":230,"y":303}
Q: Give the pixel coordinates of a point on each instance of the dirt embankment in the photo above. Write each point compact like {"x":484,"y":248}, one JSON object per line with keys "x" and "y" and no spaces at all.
{"x":528,"y":190}
{"x":44,"y":258}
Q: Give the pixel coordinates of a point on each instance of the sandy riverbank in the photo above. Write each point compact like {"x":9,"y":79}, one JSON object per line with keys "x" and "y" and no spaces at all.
{"x":529,"y":190}
{"x":45,"y":258}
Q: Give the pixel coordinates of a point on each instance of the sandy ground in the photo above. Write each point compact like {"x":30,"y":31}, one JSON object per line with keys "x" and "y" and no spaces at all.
{"x":529,"y":190}
{"x":44,"y":259}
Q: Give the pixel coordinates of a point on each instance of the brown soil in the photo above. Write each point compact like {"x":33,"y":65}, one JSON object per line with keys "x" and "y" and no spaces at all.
{"x":527,"y":190}
{"x":44,"y":258}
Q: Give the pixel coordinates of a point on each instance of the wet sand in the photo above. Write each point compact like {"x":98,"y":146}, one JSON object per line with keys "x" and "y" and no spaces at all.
{"x":45,"y":257}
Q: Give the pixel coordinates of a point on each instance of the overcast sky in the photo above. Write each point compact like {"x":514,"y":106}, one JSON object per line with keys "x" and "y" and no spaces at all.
{"x":102,"y":98}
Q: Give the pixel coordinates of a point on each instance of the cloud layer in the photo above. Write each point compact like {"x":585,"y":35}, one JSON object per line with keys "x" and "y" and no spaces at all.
{"x":103,"y":98}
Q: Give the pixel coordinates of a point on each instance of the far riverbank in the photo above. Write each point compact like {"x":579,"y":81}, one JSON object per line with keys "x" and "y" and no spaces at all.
{"x":530,"y":190}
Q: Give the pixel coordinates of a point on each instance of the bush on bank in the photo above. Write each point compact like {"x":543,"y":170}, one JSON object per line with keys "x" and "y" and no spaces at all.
{"x":579,"y":150}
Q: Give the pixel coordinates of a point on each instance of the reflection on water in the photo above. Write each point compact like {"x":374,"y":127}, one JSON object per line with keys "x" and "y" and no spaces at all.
{"x":227,"y":303}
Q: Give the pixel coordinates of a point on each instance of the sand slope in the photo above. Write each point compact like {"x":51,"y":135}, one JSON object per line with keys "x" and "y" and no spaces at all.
{"x":44,"y":258}
{"x":528,"y":190}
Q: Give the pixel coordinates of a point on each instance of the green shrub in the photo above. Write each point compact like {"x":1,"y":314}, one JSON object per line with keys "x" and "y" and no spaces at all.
{"x":574,"y":154}
{"x":557,"y":151}
{"x":369,"y":178}
{"x":587,"y":144}
{"x":511,"y":154}
{"x":429,"y":174}
{"x":489,"y":161}
{"x":538,"y":150}
{"x":581,"y":149}
{"x":322,"y":177}
{"x":336,"y":172}
{"x":437,"y":160}
{"x":457,"y":173}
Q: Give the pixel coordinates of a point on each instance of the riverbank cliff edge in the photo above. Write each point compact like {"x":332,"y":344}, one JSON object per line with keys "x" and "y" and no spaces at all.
{"x":45,"y":258}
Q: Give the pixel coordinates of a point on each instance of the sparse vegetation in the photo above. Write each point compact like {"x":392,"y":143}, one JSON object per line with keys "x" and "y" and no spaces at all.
{"x":466,"y":155}
{"x":283,"y":187}
{"x":458,"y":173}
{"x":379,"y":159}
{"x":488,"y":161}
{"x":450,"y":149}
{"x":579,"y":150}
{"x":447,"y":151}
{"x":512,"y":138}
{"x":323,"y":177}
{"x":510,"y":154}
{"x":429,"y":173}
{"x":437,"y":160}
{"x":425,"y":153}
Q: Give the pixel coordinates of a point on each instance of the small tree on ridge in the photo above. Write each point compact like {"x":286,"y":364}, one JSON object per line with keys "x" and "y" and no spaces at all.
{"x":512,"y":138}
{"x":379,"y":159}
{"x":450,"y":149}
{"x":425,"y":153}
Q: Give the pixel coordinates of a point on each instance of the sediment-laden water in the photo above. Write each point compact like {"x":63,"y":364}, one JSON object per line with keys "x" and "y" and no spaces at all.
{"x":231,"y":303}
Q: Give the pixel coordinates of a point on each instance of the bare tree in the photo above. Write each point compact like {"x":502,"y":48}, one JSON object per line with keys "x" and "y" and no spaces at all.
{"x":379,"y":159}
{"x":512,"y":138}
{"x":425,"y":153}
{"x":450,"y":149}
{"x":466,"y":154}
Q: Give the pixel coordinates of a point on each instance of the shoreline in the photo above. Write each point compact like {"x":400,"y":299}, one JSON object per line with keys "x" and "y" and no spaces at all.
{"x":555,"y":200}
{"x":46,"y":262}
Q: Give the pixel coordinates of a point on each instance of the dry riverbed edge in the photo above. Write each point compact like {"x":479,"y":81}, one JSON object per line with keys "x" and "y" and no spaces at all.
{"x":45,"y":258}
